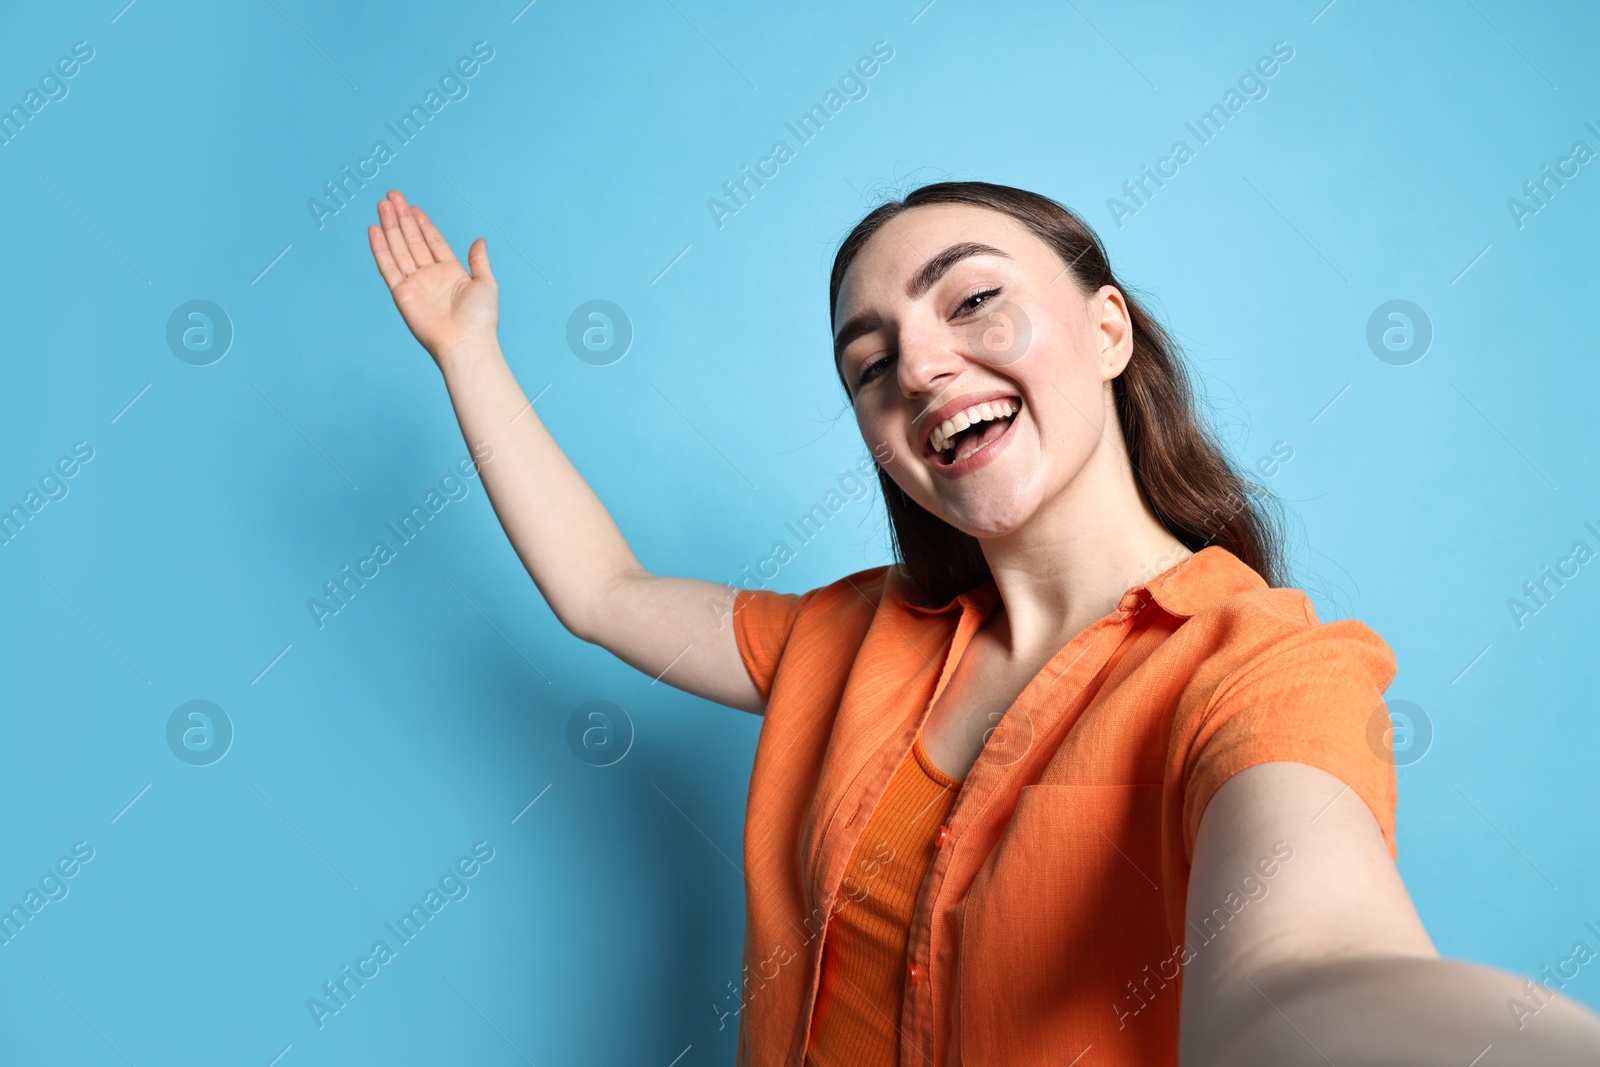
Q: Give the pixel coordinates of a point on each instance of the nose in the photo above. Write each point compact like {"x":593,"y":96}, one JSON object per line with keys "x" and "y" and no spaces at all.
{"x":929,"y":360}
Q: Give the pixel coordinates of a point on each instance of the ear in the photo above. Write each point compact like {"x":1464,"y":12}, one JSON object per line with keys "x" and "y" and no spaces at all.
{"x":1113,"y":326}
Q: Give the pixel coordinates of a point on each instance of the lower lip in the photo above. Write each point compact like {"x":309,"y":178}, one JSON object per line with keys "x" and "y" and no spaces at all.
{"x":981,"y":458}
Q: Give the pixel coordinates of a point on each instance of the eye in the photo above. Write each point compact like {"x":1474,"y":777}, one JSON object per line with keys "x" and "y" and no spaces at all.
{"x":972,"y":302}
{"x":870,"y":371}
{"x":966,"y":307}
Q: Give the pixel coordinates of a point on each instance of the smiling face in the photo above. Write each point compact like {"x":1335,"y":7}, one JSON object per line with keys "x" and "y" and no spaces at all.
{"x":975,"y":362}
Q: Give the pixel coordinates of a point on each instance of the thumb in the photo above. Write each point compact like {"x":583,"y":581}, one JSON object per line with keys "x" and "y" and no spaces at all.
{"x":478,"y":260}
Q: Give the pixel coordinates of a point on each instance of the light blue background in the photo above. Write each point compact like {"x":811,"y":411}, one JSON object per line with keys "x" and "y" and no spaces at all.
{"x":432,"y":710}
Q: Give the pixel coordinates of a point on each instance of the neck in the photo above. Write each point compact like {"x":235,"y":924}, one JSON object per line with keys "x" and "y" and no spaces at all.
{"x":1078,"y":554}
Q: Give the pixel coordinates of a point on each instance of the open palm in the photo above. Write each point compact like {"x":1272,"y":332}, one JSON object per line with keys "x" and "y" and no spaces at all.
{"x":442,"y":304}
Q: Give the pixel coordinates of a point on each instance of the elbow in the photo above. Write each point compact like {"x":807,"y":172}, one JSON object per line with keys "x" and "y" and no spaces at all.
{"x":583,"y":626}
{"x":588,"y":636}
{"x":596,"y":616}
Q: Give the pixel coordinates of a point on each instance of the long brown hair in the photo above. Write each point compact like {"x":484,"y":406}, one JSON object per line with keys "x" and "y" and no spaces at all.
{"x":1194,"y":489}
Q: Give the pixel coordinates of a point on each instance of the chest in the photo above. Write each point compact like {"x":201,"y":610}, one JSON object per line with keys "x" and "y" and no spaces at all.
{"x":966,"y":714}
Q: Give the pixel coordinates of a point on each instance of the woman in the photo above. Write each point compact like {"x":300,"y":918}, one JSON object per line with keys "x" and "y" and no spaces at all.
{"x":1079,"y":751}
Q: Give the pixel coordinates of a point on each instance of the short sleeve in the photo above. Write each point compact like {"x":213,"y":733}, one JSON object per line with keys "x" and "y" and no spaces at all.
{"x":762,"y":622}
{"x":1313,"y":697}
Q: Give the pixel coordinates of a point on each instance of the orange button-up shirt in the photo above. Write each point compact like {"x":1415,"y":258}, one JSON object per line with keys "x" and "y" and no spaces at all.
{"x":1052,"y":920}
{"x":857,"y":1016}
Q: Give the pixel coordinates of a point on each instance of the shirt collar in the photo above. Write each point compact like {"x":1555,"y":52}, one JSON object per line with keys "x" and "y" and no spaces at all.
{"x":1206,"y":578}
{"x":1184,"y":589}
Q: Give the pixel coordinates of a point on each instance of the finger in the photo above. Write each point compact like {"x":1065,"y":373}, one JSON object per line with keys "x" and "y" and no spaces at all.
{"x":380,"y":252}
{"x":478,"y":258}
{"x":413,"y":235}
{"x":396,"y":240}
{"x":436,"y":241}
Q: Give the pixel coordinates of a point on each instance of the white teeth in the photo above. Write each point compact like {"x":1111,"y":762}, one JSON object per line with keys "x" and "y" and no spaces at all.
{"x":997,"y":409}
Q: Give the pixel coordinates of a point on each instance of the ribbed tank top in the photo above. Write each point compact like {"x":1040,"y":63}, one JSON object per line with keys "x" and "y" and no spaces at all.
{"x":856,"y":1021}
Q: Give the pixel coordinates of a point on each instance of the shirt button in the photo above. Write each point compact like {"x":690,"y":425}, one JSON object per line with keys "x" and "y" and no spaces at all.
{"x":916,"y":975}
{"x":942,"y":836}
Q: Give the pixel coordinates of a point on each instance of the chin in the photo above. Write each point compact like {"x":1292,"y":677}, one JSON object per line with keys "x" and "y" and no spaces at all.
{"x":997,"y":515}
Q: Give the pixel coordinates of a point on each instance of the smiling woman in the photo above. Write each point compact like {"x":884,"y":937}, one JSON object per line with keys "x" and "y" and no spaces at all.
{"x":1184,"y":475}
{"x":1068,"y":761}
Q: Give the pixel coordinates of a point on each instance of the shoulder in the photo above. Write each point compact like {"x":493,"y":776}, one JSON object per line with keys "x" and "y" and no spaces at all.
{"x":864,"y":590}
{"x":1280,"y":632}
{"x":861,"y":591}
{"x":766,"y":622}
{"x":1273,"y":683}
{"x":817,"y":631}
{"x":1274,"y":630}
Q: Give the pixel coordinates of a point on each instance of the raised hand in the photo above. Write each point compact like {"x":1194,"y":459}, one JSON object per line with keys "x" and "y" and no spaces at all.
{"x":444,"y":306}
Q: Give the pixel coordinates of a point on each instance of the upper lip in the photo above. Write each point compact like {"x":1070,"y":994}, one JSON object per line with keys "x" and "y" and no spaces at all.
{"x":962,"y":403}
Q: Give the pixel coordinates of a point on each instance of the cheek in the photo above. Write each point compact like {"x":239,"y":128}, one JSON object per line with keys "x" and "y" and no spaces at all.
{"x":1066,"y":379}
{"x":880,"y":428}
{"x":1067,"y":435}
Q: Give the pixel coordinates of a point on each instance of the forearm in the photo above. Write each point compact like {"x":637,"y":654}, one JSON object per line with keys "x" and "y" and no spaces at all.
{"x":559,"y":528}
{"x":1394,"y":1012}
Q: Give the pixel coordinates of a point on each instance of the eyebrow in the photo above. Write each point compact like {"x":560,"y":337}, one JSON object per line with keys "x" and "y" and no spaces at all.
{"x":923,"y":280}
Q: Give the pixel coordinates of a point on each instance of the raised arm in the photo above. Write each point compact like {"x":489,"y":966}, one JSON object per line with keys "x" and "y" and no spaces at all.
{"x":677,"y":629}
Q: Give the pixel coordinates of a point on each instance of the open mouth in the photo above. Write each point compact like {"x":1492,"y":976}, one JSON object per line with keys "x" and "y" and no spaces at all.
{"x":971,"y":429}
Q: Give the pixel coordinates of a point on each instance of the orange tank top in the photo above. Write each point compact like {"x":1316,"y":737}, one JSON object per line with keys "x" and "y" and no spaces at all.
{"x":856,"y":1022}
